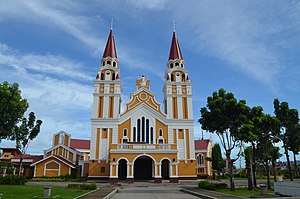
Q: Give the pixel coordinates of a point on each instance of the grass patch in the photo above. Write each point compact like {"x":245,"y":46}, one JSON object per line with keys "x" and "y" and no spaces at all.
{"x":243,"y":192}
{"x":25,"y":192}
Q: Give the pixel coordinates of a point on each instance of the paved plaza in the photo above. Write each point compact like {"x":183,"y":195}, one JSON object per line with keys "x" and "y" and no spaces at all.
{"x":151,"y":192}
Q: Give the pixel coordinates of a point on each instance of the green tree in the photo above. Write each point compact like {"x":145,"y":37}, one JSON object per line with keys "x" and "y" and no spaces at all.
{"x":269,"y":129}
{"x":12,"y":108}
{"x":250,"y":132}
{"x":275,"y":155}
{"x":294,"y":144}
{"x":248,"y":161}
{"x":218,"y":163}
{"x":288,"y":118}
{"x":224,"y":115}
{"x":24,"y":133}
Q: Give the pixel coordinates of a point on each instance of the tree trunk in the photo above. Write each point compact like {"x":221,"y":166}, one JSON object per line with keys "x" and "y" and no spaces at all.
{"x":274,"y":170}
{"x":20,"y":167}
{"x":254,"y":166}
{"x":230,"y":170}
{"x":249,"y":173}
{"x":288,"y":161}
{"x":268,"y":174}
{"x":295,"y":164}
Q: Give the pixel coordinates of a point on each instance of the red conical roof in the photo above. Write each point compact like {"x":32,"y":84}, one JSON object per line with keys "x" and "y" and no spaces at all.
{"x":175,"y":52}
{"x":110,"y":49}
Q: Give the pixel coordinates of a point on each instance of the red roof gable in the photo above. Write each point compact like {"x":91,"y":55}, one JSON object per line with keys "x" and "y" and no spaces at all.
{"x":175,"y":52}
{"x":110,"y":49}
{"x":35,"y":158}
{"x":80,"y":144}
{"x":13,"y":151}
{"x":201,"y":144}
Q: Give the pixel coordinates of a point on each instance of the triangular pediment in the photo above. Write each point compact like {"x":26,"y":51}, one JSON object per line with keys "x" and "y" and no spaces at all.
{"x":143,"y":96}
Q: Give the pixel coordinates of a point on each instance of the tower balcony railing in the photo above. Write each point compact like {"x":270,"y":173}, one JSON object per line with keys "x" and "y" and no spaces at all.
{"x":143,"y":146}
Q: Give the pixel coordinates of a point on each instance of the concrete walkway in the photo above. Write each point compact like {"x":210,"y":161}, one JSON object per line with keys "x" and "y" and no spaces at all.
{"x":150,"y":192}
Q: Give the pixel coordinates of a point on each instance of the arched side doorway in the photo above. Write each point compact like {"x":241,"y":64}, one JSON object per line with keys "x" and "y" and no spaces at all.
{"x":143,"y":167}
{"x":165,"y":169}
{"x":122,"y":169}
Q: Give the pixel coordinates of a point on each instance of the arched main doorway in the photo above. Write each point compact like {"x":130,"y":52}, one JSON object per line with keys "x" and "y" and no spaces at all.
{"x":122,"y":169}
{"x":143,"y":167}
{"x":165,"y":169}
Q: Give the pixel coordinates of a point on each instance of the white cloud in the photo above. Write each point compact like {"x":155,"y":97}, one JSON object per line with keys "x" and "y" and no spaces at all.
{"x":148,"y":4}
{"x":59,"y":98}
{"x":243,"y":34}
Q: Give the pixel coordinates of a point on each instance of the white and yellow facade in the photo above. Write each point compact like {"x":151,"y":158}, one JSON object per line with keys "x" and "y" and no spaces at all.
{"x":143,"y":142}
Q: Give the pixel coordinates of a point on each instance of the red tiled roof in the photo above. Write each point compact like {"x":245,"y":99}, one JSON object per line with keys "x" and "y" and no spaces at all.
{"x":14,"y":151}
{"x":35,"y":158}
{"x":80,"y":144}
{"x":110,"y":49}
{"x":175,"y":52}
{"x":201,"y":144}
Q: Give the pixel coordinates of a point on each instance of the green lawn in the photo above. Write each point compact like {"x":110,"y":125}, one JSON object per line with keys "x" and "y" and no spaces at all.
{"x":23,"y":191}
{"x":243,"y":192}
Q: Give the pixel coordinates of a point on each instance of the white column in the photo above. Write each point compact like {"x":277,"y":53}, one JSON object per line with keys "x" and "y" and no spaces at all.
{"x":116,"y":107}
{"x":95,"y":106}
{"x":107,"y":144}
{"x":169,"y":107}
{"x":190,"y":107}
{"x":105,"y":107}
{"x":110,"y":170}
{"x":176,"y":169}
{"x":179,"y":102}
{"x":184,"y":145}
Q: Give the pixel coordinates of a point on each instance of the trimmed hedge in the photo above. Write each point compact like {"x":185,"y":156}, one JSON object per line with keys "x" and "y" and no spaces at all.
{"x":83,"y":186}
{"x":12,"y":180}
{"x":205,"y":184}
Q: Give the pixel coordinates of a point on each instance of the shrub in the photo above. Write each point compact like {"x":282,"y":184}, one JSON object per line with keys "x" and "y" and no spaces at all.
{"x":203,"y":184}
{"x":221,"y":185}
{"x":286,"y":176}
{"x":83,"y":186}
{"x":12,"y":180}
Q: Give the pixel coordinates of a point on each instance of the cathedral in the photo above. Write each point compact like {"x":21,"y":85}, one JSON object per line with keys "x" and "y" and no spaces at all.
{"x":143,"y":142}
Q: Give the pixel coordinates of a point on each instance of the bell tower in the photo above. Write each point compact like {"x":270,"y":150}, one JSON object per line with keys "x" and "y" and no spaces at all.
{"x":107,"y":85}
{"x":106,"y":109}
{"x":178,"y":87}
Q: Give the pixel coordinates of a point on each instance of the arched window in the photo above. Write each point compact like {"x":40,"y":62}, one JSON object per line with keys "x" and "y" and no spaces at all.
{"x":200,"y":159}
{"x":147,"y":130}
{"x":138,"y":130}
{"x":151,"y":136}
{"x":160,"y":133}
{"x":114,"y":64}
{"x":171,"y":65}
{"x":176,"y":64}
{"x":125,"y":132}
{"x":108,"y":62}
{"x":134,"y":134}
{"x":107,"y":75}
{"x":178,"y":77}
{"x":172,"y":77}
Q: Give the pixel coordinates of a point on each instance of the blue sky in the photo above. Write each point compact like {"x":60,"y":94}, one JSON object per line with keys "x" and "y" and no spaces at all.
{"x":53,"y":48}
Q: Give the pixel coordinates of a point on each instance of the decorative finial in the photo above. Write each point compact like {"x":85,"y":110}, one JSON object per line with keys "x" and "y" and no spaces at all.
{"x":174,"y":25}
{"x":111,"y":23}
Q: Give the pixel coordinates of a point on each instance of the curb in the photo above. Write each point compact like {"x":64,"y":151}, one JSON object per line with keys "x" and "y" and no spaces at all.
{"x":197,"y":194}
{"x":78,"y":197}
{"x":111,"y":194}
